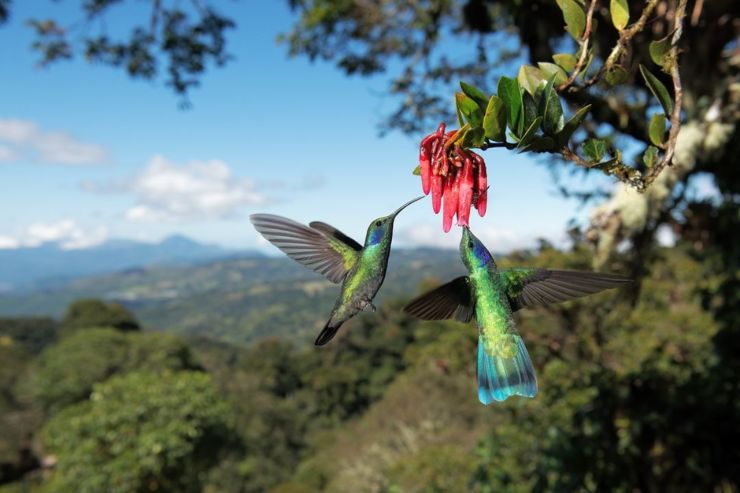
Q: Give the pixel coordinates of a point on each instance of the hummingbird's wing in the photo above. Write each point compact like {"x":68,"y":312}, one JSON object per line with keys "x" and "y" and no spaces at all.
{"x":332,"y":231}
{"x":527,"y":287}
{"x":451,"y":300}
{"x":324,"y":253}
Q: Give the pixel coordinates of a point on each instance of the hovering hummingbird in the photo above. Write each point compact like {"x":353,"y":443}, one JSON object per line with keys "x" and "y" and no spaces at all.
{"x":328,"y":251}
{"x":491,"y":296}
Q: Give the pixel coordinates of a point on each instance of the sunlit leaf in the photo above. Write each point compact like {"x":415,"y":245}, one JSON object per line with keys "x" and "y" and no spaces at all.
{"x":566,"y":60}
{"x":658,"y":89}
{"x":475,"y":94}
{"x":572,"y":125}
{"x":594,"y":149}
{"x":417,"y":170}
{"x":469,"y":109}
{"x":620,"y":12}
{"x":656,"y":130}
{"x":529,"y":78}
{"x":650,"y":156}
{"x":552,"y":70}
{"x":575,"y":17}
{"x":494,"y":121}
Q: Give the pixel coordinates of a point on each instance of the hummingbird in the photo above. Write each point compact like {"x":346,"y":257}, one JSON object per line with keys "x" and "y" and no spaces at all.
{"x":326,"y":250}
{"x":491,"y":296}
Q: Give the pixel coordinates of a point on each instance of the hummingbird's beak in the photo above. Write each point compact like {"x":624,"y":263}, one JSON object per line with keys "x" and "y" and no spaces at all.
{"x":406,"y":205}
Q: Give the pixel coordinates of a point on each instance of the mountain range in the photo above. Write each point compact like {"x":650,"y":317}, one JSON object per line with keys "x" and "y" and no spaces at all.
{"x":49,"y":265}
{"x":237,"y":300}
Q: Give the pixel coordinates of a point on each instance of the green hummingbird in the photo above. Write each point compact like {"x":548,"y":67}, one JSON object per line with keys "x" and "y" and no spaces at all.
{"x":491,"y":296}
{"x":328,"y":251}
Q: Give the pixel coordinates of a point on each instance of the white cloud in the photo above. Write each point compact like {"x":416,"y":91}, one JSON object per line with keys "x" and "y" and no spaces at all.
{"x":7,"y":242}
{"x":195,"y":191}
{"x":24,"y":139}
{"x":7,"y":154}
{"x":66,"y":232}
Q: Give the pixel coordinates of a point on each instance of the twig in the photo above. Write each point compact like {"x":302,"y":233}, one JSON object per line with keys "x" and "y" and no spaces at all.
{"x":625,"y":36}
{"x":625,"y":174}
{"x":585,"y":38}
{"x":491,"y":145}
{"x":677,"y":97}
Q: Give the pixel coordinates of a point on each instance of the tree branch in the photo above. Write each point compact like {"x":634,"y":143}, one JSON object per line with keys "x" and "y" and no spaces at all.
{"x":677,"y":96}
{"x":585,"y":38}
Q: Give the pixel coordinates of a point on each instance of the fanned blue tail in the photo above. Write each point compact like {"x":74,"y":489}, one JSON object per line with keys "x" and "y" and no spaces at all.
{"x":499,"y":378}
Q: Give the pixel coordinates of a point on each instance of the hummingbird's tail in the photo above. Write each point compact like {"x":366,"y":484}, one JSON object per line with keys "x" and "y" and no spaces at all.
{"x":499,"y":378}
{"x":326,"y":335}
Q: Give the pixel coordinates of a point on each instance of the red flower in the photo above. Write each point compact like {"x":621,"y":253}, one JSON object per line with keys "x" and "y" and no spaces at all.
{"x":454,"y":174}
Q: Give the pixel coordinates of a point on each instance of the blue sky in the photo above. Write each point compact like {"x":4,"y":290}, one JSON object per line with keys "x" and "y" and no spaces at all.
{"x":87,"y":154}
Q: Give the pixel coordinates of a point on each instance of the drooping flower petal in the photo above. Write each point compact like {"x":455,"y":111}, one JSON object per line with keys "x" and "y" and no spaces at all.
{"x":452,"y":188}
{"x":481,"y":187}
{"x":437,"y":189}
{"x":465,"y":193}
{"x":425,"y":168}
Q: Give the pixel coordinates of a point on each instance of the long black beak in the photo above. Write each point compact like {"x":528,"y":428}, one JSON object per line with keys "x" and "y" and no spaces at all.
{"x":393,"y":216}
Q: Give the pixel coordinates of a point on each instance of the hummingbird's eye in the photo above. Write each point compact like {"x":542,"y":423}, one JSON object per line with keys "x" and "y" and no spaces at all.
{"x":470,"y":244}
{"x":378,"y":223}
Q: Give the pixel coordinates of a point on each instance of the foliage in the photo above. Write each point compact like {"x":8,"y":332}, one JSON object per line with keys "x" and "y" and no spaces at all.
{"x":66,"y":372}
{"x":97,"y":313}
{"x":32,"y":333}
{"x":186,"y":40}
{"x":139,"y":432}
{"x":630,"y":398}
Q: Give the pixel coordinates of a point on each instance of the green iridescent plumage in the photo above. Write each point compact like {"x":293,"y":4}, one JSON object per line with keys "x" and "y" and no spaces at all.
{"x":328,"y":251}
{"x":491,"y":296}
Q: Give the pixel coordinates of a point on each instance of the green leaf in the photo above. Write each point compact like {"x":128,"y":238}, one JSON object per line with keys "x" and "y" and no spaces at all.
{"x":473,"y":137}
{"x":475,"y":94}
{"x":658,"y":51}
{"x":530,"y":133}
{"x":658,"y":89}
{"x":650,"y":156}
{"x":540,"y":144}
{"x":575,"y":17}
{"x":594,"y":149}
{"x":656,"y":130}
{"x":550,"y":109}
{"x":552,"y":70}
{"x":469,"y":109}
{"x":529,"y":109}
{"x":494,"y":121}
{"x":620,"y":12}
{"x":616,"y":75}
{"x":572,"y":125}
{"x":567,"y":61}
{"x":529,"y":78}
{"x":460,"y":120}
{"x":417,"y":170}
{"x":511,"y":94}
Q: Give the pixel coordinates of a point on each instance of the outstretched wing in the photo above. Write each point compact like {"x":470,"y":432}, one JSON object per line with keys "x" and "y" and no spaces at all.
{"x":334,"y":232}
{"x":451,"y":300}
{"x":324,"y":253}
{"x":528,"y":287}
